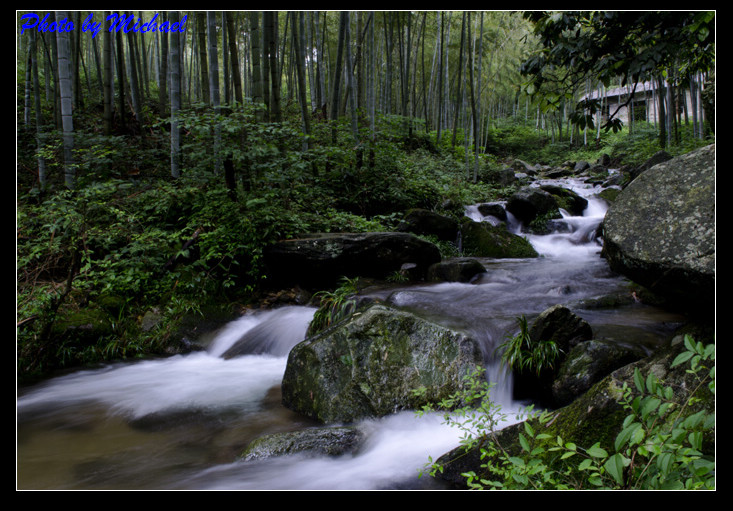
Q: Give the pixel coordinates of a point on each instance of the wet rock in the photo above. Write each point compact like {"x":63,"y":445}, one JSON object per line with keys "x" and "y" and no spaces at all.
{"x":529,"y":203}
{"x":567,"y":199}
{"x":658,"y":157}
{"x":495,"y":209}
{"x":581,"y":166}
{"x":562,"y":326}
{"x":371,"y":364}
{"x":586,"y":364}
{"x":314,"y":442}
{"x":480,"y":239}
{"x":462,"y":269}
{"x":320,"y":260}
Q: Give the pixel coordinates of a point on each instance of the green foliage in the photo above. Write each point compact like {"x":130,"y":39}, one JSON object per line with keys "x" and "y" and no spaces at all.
{"x":515,"y":138}
{"x":522,"y":353}
{"x":334,"y":305}
{"x":130,"y":233}
{"x":606,"y":45}
{"x":659,"y":445}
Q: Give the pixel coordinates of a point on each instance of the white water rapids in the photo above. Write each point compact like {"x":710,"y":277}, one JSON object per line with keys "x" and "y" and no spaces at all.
{"x":180,"y":422}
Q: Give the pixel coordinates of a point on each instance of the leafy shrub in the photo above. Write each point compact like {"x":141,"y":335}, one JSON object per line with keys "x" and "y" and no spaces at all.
{"x":334,"y":305}
{"x":521,"y":353}
{"x":659,"y":445}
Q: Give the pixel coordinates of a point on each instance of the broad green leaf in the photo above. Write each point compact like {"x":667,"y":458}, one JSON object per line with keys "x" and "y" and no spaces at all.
{"x":624,"y":437}
{"x":638,"y":380}
{"x":524,"y":443}
{"x":649,"y":405}
{"x":615,"y":466}
{"x":637,"y":436}
{"x":585,"y":464}
{"x":528,"y":429}
{"x":695,"y":439}
{"x":682,"y":358}
{"x":665,"y":461}
{"x":596,"y":451}
{"x":519,"y":462}
{"x":693,"y":420}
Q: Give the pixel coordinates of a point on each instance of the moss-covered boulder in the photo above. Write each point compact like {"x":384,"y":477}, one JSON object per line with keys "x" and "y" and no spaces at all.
{"x":660,"y":231}
{"x":481,"y":239}
{"x":567,"y":199}
{"x":372,"y":364}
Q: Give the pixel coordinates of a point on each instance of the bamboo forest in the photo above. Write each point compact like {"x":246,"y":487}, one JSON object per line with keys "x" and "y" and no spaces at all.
{"x":365,"y":250}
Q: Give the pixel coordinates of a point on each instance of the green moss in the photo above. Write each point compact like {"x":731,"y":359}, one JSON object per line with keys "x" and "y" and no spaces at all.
{"x":486,"y":240}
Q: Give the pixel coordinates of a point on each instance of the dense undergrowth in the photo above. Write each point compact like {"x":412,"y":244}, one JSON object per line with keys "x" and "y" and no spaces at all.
{"x":93,"y":263}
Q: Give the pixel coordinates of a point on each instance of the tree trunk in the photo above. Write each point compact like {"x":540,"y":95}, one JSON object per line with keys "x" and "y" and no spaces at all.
{"x":459,"y":82}
{"x":336,"y":92}
{"x":352,"y":92}
{"x":299,"y":67}
{"x":320,"y":66}
{"x":121,"y":78}
{"x":27,"y":98}
{"x":175,"y":76}
{"x":108,"y":77}
{"x":256,"y":53}
{"x":439,"y":96}
{"x":371,"y":88}
{"x":225,"y":59}
{"x":271,"y":38}
{"x":203,"y":60}
{"x":236,"y":74}
{"x":134,"y":79}
{"x":662,"y":114}
{"x":214,"y":84}
{"x":39,"y":116}
{"x":67,"y":121}
{"x":163,"y":71}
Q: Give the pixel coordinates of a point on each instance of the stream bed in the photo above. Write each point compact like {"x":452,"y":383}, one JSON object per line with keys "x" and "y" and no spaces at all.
{"x":179,"y":423}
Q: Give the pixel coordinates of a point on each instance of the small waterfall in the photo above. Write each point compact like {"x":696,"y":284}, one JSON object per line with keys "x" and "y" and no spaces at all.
{"x":272,"y":332}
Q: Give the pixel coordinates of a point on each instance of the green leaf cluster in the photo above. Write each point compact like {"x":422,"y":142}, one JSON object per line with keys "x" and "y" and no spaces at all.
{"x":334,"y":305}
{"x":522,"y":353}
{"x":660,"y":445}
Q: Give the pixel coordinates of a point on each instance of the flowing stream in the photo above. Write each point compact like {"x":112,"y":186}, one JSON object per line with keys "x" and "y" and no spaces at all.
{"x":179,"y":423}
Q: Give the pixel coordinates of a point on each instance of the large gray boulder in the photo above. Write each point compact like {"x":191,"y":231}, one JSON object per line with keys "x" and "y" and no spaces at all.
{"x":660,"y":231}
{"x":320,"y":260}
{"x":371,"y":364}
